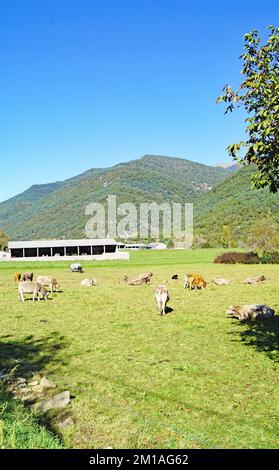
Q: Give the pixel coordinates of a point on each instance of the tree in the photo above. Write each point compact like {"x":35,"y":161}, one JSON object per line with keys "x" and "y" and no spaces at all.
{"x":259,"y":95}
{"x":264,"y":237}
{"x":3,"y":240}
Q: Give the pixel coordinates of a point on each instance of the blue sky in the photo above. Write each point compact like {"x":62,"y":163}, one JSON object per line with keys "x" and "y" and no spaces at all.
{"x":88,"y":84}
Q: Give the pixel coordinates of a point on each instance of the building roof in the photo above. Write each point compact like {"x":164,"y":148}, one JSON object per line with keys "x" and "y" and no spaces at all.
{"x":61,"y":243}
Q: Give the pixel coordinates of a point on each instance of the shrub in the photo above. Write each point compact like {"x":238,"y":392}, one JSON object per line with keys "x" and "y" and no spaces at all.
{"x":271,"y":257}
{"x":235,"y":257}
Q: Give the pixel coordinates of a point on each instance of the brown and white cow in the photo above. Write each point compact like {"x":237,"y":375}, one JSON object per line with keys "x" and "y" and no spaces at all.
{"x":194,"y":281}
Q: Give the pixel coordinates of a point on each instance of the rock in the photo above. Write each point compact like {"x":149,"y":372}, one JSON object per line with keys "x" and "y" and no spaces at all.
{"x":20,"y":381}
{"x":28,"y":398}
{"x":57,"y":401}
{"x":32,"y":384}
{"x":45,"y":383}
{"x":15,"y":386}
{"x":23,"y":390}
{"x":37,"y":389}
{"x":65,"y":422}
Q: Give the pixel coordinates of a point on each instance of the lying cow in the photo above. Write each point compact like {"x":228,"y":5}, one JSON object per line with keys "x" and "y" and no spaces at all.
{"x":35,"y":288}
{"x":88,"y":282}
{"x":76,"y":268}
{"x":49,"y":281}
{"x":27,"y":277}
{"x":146,"y":276}
{"x":162,"y":297}
{"x":218,"y":281}
{"x":136,"y":281}
{"x":255,"y":280}
{"x":194,"y":281}
{"x":17,"y":277}
{"x":250,"y":312}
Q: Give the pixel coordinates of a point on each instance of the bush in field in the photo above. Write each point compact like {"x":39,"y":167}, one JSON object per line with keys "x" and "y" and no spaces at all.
{"x":234,"y":257}
{"x":271,"y":257}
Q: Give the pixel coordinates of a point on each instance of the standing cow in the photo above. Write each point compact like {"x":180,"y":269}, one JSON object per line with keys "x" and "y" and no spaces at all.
{"x":162,"y":297}
{"x":49,"y":281}
{"x":35,"y":288}
{"x":194,"y":281}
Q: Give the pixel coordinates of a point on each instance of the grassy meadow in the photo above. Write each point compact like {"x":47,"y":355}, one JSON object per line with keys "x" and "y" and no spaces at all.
{"x":192,"y":379}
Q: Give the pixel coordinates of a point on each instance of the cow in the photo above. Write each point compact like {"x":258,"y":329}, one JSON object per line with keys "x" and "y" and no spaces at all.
{"x":17,"y":277}
{"x":76,"y":268}
{"x":136,"y":281}
{"x":162,"y":297}
{"x":146,"y":276}
{"x":255,"y":280}
{"x":49,"y":281}
{"x":250,"y":312}
{"x":194,"y":281}
{"x":27,"y":276}
{"x":220,"y":281}
{"x":88,"y":282}
{"x":35,"y":288}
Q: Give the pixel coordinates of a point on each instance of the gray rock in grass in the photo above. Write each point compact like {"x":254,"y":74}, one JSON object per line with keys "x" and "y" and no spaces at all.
{"x":57,"y":401}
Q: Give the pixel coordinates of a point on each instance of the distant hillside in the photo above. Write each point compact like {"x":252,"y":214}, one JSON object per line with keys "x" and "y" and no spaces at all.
{"x":57,"y":210}
{"x":221,"y":198}
{"x":235,"y":204}
{"x":228,"y":166}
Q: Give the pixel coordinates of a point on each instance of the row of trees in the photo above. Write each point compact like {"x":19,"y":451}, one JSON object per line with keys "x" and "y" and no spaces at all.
{"x":263,"y":237}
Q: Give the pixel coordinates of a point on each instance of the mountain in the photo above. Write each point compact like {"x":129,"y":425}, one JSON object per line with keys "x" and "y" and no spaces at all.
{"x":223,"y":199}
{"x":233,"y":205}
{"x":56,"y":210}
{"x":228,"y":166}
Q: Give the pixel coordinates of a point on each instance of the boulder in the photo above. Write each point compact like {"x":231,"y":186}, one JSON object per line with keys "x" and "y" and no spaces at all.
{"x":65,"y":422}
{"x":57,"y":401}
{"x":47,"y":384}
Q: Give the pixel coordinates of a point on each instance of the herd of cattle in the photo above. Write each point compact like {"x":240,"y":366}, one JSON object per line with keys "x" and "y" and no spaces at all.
{"x":26,"y":285}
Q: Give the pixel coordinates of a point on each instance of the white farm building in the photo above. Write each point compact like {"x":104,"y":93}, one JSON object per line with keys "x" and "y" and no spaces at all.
{"x":51,"y":250}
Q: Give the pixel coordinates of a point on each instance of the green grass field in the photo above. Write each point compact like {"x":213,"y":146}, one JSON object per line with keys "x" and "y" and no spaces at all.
{"x":192,"y":379}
